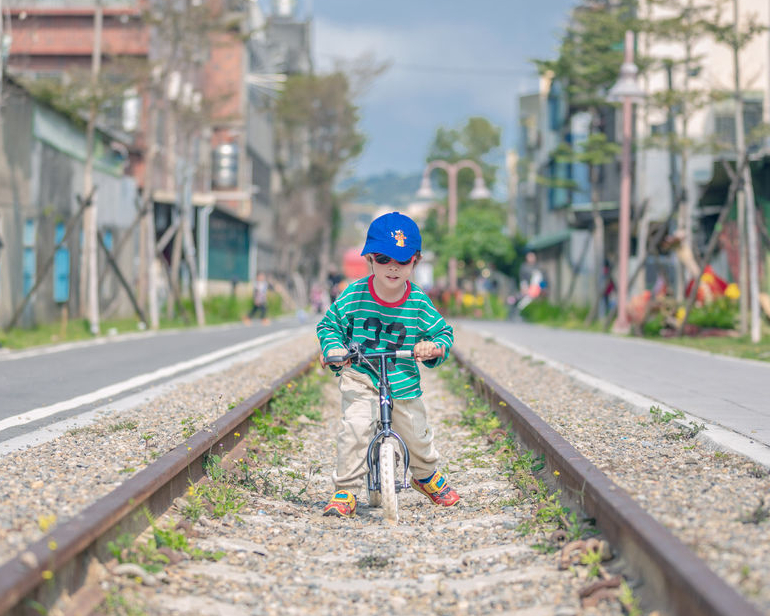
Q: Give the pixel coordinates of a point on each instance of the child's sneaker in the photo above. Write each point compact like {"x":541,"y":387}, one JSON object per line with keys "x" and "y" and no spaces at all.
{"x":436,"y":489}
{"x":342,"y":504}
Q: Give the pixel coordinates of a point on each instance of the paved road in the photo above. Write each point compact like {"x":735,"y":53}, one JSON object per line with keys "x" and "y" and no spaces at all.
{"x":41,"y":386}
{"x":727,"y":392}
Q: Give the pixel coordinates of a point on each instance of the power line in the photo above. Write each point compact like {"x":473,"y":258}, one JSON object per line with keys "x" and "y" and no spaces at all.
{"x":454,"y":70}
{"x":463,"y":69}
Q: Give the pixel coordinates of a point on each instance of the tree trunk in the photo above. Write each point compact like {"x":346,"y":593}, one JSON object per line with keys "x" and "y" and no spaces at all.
{"x":750,"y":282}
{"x":598,"y":241}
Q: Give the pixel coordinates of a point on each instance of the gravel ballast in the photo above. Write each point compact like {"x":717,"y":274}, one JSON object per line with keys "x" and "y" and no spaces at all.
{"x":283,"y":557}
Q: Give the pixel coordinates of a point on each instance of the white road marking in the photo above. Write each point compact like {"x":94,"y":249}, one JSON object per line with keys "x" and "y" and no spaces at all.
{"x":115,"y":407}
{"x":137,"y":381}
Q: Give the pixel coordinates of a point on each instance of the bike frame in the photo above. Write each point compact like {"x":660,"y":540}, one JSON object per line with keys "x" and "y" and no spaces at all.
{"x":357,"y":355}
{"x":386,"y":419}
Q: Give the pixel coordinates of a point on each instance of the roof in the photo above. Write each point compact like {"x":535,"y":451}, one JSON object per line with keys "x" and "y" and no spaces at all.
{"x":547,"y":240}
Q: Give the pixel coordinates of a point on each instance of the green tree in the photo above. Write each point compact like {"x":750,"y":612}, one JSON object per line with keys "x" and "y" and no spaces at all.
{"x":480,"y":239}
{"x":590,"y":55}
{"x":317,"y":135}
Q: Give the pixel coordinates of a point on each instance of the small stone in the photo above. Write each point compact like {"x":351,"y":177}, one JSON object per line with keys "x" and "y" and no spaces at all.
{"x":29,"y":559}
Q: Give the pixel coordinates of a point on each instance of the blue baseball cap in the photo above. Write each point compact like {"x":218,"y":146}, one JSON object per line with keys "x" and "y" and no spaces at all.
{"x":394,"y":235}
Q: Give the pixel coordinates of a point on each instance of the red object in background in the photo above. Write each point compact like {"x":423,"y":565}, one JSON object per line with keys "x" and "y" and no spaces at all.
{"x":354,"y":265}
{"x":714,"y":285}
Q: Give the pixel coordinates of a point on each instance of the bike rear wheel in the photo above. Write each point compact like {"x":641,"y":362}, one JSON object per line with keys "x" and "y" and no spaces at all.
{"x":388,"y":482}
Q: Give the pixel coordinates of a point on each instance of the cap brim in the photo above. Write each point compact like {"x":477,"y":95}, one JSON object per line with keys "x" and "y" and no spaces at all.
{"x":399,"y":253}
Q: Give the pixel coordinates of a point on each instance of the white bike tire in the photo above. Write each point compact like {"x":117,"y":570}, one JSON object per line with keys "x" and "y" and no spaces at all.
{"x":388,"y":482}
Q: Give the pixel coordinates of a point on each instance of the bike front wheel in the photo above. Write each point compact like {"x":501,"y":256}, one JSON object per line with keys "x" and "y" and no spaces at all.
{"x":375,"y":498}
{"x":388,"y":482}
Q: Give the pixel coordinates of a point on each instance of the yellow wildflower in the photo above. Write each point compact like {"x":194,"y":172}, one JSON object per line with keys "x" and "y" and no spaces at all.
{"x":732,"y":291}
{"x":46,"y":521}
{"x":681,"y":311}
{"x":556,"y":473}
{"x":236,"y":434}
{"x":47,"y":574}
{"x":52,"y":545}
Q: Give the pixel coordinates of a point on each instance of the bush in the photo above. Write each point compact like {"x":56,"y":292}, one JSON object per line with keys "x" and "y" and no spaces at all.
{"x":229,"y":308}
{"x":481,"y":306}
{"x":654,"y":324}
{"x":540,"y":310}
{"x":720,"y":314}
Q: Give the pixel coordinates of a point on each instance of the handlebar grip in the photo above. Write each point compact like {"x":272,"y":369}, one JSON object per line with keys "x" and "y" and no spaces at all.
{"x":404,"y":354}
{"x":335,"y":359}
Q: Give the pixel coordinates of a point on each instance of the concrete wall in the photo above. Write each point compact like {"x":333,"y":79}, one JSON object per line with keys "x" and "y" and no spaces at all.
{"x":41,"y":183}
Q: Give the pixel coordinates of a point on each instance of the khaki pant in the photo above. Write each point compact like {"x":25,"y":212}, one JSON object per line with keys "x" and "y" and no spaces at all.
{"x":360,"y":411}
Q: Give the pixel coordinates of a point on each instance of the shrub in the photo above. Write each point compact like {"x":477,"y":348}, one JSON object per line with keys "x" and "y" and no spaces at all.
{"x":719,"y":313}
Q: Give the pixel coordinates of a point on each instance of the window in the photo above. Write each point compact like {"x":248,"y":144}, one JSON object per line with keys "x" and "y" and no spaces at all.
{"x":724,"y":120}
{"x":558,"y":192}
{"x":61,"y":268}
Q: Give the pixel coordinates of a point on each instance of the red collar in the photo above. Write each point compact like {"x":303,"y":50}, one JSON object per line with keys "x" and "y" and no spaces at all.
{"x":381,"y":301}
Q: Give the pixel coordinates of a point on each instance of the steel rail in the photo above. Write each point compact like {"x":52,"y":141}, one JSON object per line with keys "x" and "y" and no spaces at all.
{"x":83,"y":539}
{"x":675,"y":579}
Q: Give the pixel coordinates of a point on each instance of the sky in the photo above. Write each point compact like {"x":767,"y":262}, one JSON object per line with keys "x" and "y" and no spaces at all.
{"x":450,"y":60}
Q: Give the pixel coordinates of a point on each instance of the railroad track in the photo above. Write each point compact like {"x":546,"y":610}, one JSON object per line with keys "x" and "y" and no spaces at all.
{"x":673,"y":579}
{"x":61,"y":561}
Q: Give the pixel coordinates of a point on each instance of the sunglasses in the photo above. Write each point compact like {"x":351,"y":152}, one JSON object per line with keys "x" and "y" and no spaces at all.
{"x":385,"y":259}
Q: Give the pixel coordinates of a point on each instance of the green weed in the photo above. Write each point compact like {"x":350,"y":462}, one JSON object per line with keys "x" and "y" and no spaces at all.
{"x":188,"y":427}
{"x":123,"y":425}
{"x":757,"y":515}
{"x":661,"y":416}
{"x":627,"y":599}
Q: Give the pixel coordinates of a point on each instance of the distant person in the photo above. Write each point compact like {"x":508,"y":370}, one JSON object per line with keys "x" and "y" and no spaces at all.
{"x":335,"y":281}
{"x":259,"y":298}
{"x":608,"y":289}
{"x":531,"y":282}
{"x":317,"y":297}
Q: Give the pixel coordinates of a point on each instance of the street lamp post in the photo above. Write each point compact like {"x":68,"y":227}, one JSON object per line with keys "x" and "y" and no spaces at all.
{"x":627,"y":91}
{"x":480,"y":191}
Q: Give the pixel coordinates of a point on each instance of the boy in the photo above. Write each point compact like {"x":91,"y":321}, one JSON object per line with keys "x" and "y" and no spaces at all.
{"x":385,"y":311}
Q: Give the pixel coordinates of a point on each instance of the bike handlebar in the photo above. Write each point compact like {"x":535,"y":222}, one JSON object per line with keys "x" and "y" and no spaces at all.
{"x":356,"y":355}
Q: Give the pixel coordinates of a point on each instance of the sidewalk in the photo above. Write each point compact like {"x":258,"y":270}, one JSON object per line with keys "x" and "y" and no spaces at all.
{"x":732,"y":396}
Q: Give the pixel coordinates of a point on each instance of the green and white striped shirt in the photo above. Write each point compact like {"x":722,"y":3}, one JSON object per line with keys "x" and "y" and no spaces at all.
{"x":360,"y":316}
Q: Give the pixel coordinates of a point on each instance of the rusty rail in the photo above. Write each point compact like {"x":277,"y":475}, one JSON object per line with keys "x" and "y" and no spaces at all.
{"x":82,"y":540}
{"x":675,"y":579}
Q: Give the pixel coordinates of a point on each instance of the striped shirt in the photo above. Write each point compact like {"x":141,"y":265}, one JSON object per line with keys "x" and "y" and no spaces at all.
{"x":360,"y":316}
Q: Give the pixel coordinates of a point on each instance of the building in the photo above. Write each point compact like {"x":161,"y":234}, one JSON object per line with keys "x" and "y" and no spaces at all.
{"x":554,"y":202}
{"x":42,"y":154}
{"x":198,"y":130}
{"x":553,"y":207}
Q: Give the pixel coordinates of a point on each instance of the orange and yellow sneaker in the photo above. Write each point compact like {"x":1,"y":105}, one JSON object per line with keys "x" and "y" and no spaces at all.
{"x":342,"y":504}
{"x":437,"y":489}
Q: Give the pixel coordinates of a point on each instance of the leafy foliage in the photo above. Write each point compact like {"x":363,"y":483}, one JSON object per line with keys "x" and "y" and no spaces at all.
{"x":591,"y":52}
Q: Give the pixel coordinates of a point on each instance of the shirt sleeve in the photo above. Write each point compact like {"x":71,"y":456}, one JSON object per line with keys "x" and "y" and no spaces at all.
{"x":331,"y":330}
{"x":439,"y":332}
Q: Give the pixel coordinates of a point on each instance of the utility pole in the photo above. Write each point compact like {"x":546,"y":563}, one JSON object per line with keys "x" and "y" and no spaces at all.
{"x":89,"y":287}
{"x":742,"y":162}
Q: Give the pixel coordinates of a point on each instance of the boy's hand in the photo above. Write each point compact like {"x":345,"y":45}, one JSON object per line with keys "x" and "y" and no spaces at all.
{"x":332,"y":353}
{"x":427,"y":350}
